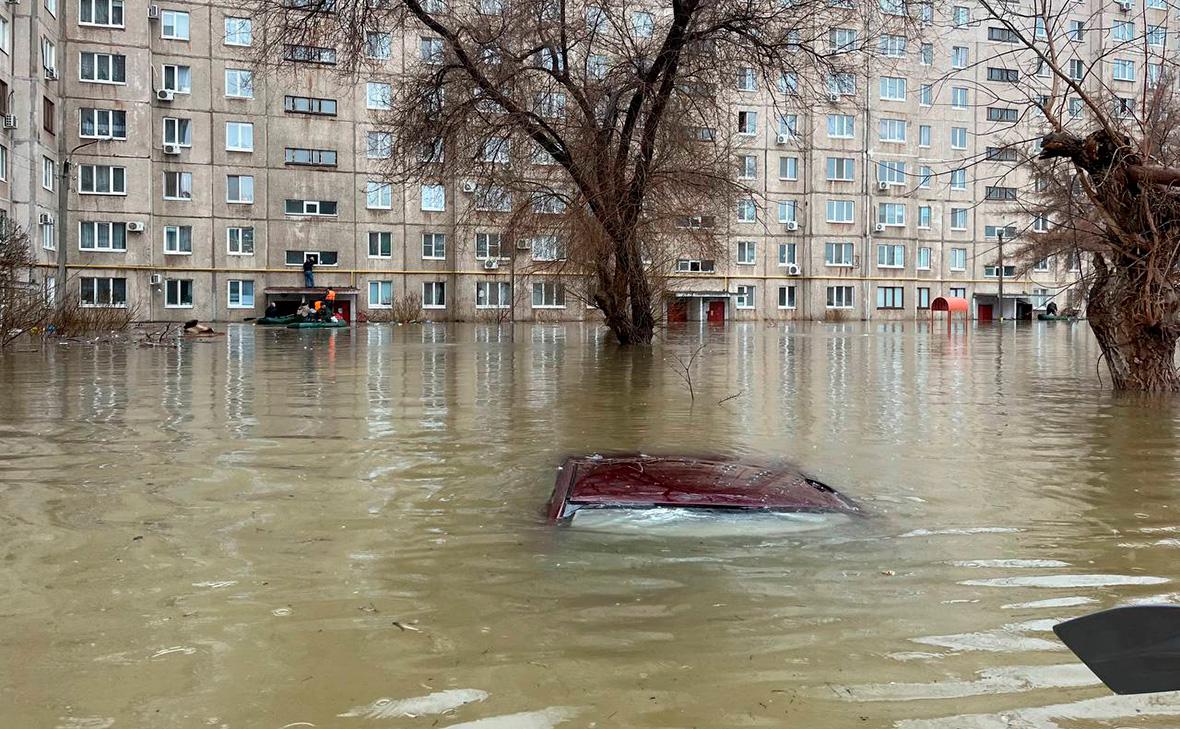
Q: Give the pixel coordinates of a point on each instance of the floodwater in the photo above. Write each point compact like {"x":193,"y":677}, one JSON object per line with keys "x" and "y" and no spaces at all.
{"x":343,"y":529}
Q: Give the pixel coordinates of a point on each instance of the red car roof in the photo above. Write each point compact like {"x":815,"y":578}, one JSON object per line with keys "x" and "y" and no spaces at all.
{"x":718,"y":483}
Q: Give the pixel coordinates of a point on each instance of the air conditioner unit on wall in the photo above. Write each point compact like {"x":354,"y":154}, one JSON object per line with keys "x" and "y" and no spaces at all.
{"x":165,"y":94}
{"x":834,"y":98}
{"x":171,"y":149}
{"x":45,"y":219}
{"x":51,"y":74}
{"x":153,"y":12}
{"x":468,"y":186}
{"x":879,"y":228}
{"x":794,"y":270}
{"x":135,"y":226}
{"x":10,"y":121}
{"x":1125,"y":6}
{"x":783,"y":138}
{"x":883,"y":186}
{"x":155,"y":279}
{"x":491,"y":264}
{"x":792,"y":225}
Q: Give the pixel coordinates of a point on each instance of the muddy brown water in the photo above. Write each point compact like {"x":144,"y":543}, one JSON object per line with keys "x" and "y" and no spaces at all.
{"x":308,"y":529}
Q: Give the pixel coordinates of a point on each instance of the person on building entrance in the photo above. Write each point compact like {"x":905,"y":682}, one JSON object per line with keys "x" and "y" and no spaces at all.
{"x":272,"y":310}
{"x":304,"y":311}
{"x":309,"y":272}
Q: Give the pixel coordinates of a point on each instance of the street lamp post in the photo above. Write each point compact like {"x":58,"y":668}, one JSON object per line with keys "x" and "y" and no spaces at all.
{"x":61,"y":229}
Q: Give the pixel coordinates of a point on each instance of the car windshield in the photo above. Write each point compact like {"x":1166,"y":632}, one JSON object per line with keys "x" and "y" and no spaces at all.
{"x":703,"y":522}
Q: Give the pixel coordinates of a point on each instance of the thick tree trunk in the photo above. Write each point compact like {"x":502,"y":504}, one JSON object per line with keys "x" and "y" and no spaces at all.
{"x":625,"y":297}
{"x":1137,"y":336}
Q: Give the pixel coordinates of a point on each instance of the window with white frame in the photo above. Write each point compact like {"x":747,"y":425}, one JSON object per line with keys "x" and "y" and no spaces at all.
{"x":787,"y":253}
{"x":378,"y":145}
{"x":891,"y":172}
{"x":926,"y":95}
{"x":434,"y":294}
{"x":380,"y":244}
{"x":922,"y":298}
{"x":239,"y":240}
{"x":1157,"y":35}
{"x":642,"y":24}
{"x":925,"y":175}
{"x":102,"y":68}
{"x":693,"y":265}
{"x":177,"y":79}
{"x":106,"y":13}
{"x":890,"y":297}
{"x":239,"y":136}
{"x":102,"y":180}
{"x":926,"y":54}
{"x":48,"y":235}
{"x":959,"y":97}
{"x":547,"y":248}
{"x":380,"y":294}
{"x":497,"y":150}
{"x":487,"y":246}
{"x":492,"y":198}
{"x":378,"y":45}
{"x":890,"y":255}
{"x":238,"y":31}
{"x":841,"y":169}
{"x":1077,"y":69}
{"x":430,"y":50}
{"x":1123,"y":69}
{"x":788,"y":83}
{"x":178,"y":239}
{"x":959,"y":57}
{"x":788,"y":211}
{"x":923,"y":263}
{"x":102,"y":123}
{"x":747,"y":80}
{"x":841,"y":126}
{"x":788,"y":168}
{"x":1041,"y":265}
{"x":103,"y":292}
{"x":747,"y":123}
{"x":178,"y":293}
{"x":788,"y":125}
{"x":744,"y":297}
{"x":434,"y":246}
{"x":786,"y":297}
{"x":958,"y":137}
{"x":493,"y":295}
{"x":48,"y":173}
{"x":239,"y":83}
{"x":292,"y":206}
{"x":842,"y":40}
{"x":379,"y":195}
{"x":746,"y":252}
{"x":178,"y":131}
{"x":892,"y":45}
{"x":747,"y":210}
{"x":1122,"y":30}
{"x":747,"y":167}
{"x":840,"y":211}
{"x":839,"y":297}
{"x":240,"y":294}
{"x":102,"y":236}
{"x":957,"y":292}
{"x":174,"y":25}
{"x":548,"y":295}
{"x":178,"y":185}
{"x":893,"y":130}
{"x":434,"y":198}
{"x":892,"y":88}
{"x":239,"y":189}
{"x":841,"y":84}
{"x":48,"y":57}
{"x":924,"y":216}
{"x":838,"y":253}
{"x":959,"y":179}
{"x":958,"y":260}
{"x":548,"y":203}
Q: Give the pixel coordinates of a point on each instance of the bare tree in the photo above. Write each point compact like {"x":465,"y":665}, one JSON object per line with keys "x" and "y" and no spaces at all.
{"x":599,"y":137}
{"x":23,"y":305}
{"x":1097,"y":129}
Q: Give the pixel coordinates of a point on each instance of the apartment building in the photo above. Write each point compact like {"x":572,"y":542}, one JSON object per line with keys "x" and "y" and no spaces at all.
{"x":197,"y":186}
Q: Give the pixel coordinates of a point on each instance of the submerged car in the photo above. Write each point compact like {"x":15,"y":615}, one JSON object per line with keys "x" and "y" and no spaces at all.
{"x":719,"y":484}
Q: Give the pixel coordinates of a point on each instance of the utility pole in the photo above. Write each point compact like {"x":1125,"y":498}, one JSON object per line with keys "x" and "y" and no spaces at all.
{"x":61,"y":228}
{"x":1000,"y":268}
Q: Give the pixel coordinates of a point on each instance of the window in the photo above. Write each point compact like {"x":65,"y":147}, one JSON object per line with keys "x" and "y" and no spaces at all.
{"x":178,"y":239}
{"x":102,"y":123}
{"x":380,"y":244}
{"x":48,"y":236}
{"x":238,"y":32}
{"x":786,"y":254}
{"x":840,"y":126}
{"x":550,"y":104}
{"x":892,"y":88}
{"x":1040,"y":298}
{"x":1006,"y":75}
{"x":239,"y":189}
{"x":890,"y":297}
{"x":744,"y":298}
{"x":104,"y":68}
{"x":892,"y":173}
{"x":239,"y":137}
{"x":487,"y":245}
{"x":308,"y":105}
{"x":788,"y":211}
{"x":493,"y":295}
{"x":1077,"y":30}
{"x":1124,"y":69}
{"x":788,"y":168}
{"x":958,"y":292}
{"x":747,"y":210}
{"x":838,"y":254}
{"x":102,"y":180}
{"x":239,"y":83}
{"x":642,"y":24}
{"x":1122,"y":30}
{"x":1001,"y":154}
{"x":842,"y":169}
{"x":173,"y":25}
{"x":746,"y":80}
{"x":959,"y":57}
{"x":924,"y":216}
{"x":924,"y":132}
{"x":925,"y":175}
{"x":310,"y":54}
{"x":1157,"y":35}
{"x":927,"y":54}
{"x":51,"y":6}
{"x":434,"y":246}
{"x":692,"y":265}
{"x":310,"y":157}
{"x":786,"y":297}
{"x":240,"y":294}
{"x":1075,"y":107}
{"x":177,"y":79}
{"x":380,"y":294}
{"x":48,"y":173}
{"x":491,"y":7}
{"x":839,"y":297}
{"x":48,"y":57}
{"x":747,"y":167}
{"x":239,"y":241}
{"x":109,"y":292}
{"x":309,"y":207}
{"x":788,"y":83}
{"x":548,"y":295}
{"x":746,"y":252}
{"x":958,"y":137}
{"x":377,"y":95}
{"x":379,"y":195}
{"x":992,"y":231}
{"x":923,"y":263}
{"x":958,"y":218}
{"x":378,"y":45}
{"x":996,"y":192}
{"x":178,"y":131}
{"x":1077,"y":69}
{"x":892,"y":45}
{"x":923,"y":297}
{"x":747,"y":122}
{"x":958,"y":259}
{"x":926,"y":95}
{"x":178,"y":185}
{"x":48,"y":114}
{"x":1041,"y":265}
{"x":893,"y":130}
{"x":101,"y":12}
{"x":840,"y":211}
{"x":842,"y":40}
{"x":960,"y":16}
{"x":959,"y":97}
{"x":378,"y":145}
{"x":1040,"y":223}
{"x":497,"y":150}
{"x":890,"y":255}
{"x":596,"y":64}
{"x":547,"y":248}
{"x":178,"y":293}
{"x":434,"y":198}
{"x":891,"y":214}
{"x":959,"y":179}
{"x":492,"y":198}
{"x":102,"y":236}
{"x":430,"y":50}
{"x":1002,"y":114}
{"x":320,"y":258}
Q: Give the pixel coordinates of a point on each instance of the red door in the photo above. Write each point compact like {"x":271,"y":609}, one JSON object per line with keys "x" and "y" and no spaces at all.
{"x":716,"y":313}
{"x":985,"y":312}
{"x":677,"y":311}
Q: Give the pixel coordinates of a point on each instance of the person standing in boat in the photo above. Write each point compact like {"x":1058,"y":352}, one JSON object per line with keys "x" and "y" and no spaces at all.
{"x":272,"y":310}
{"x":309,"y":272}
